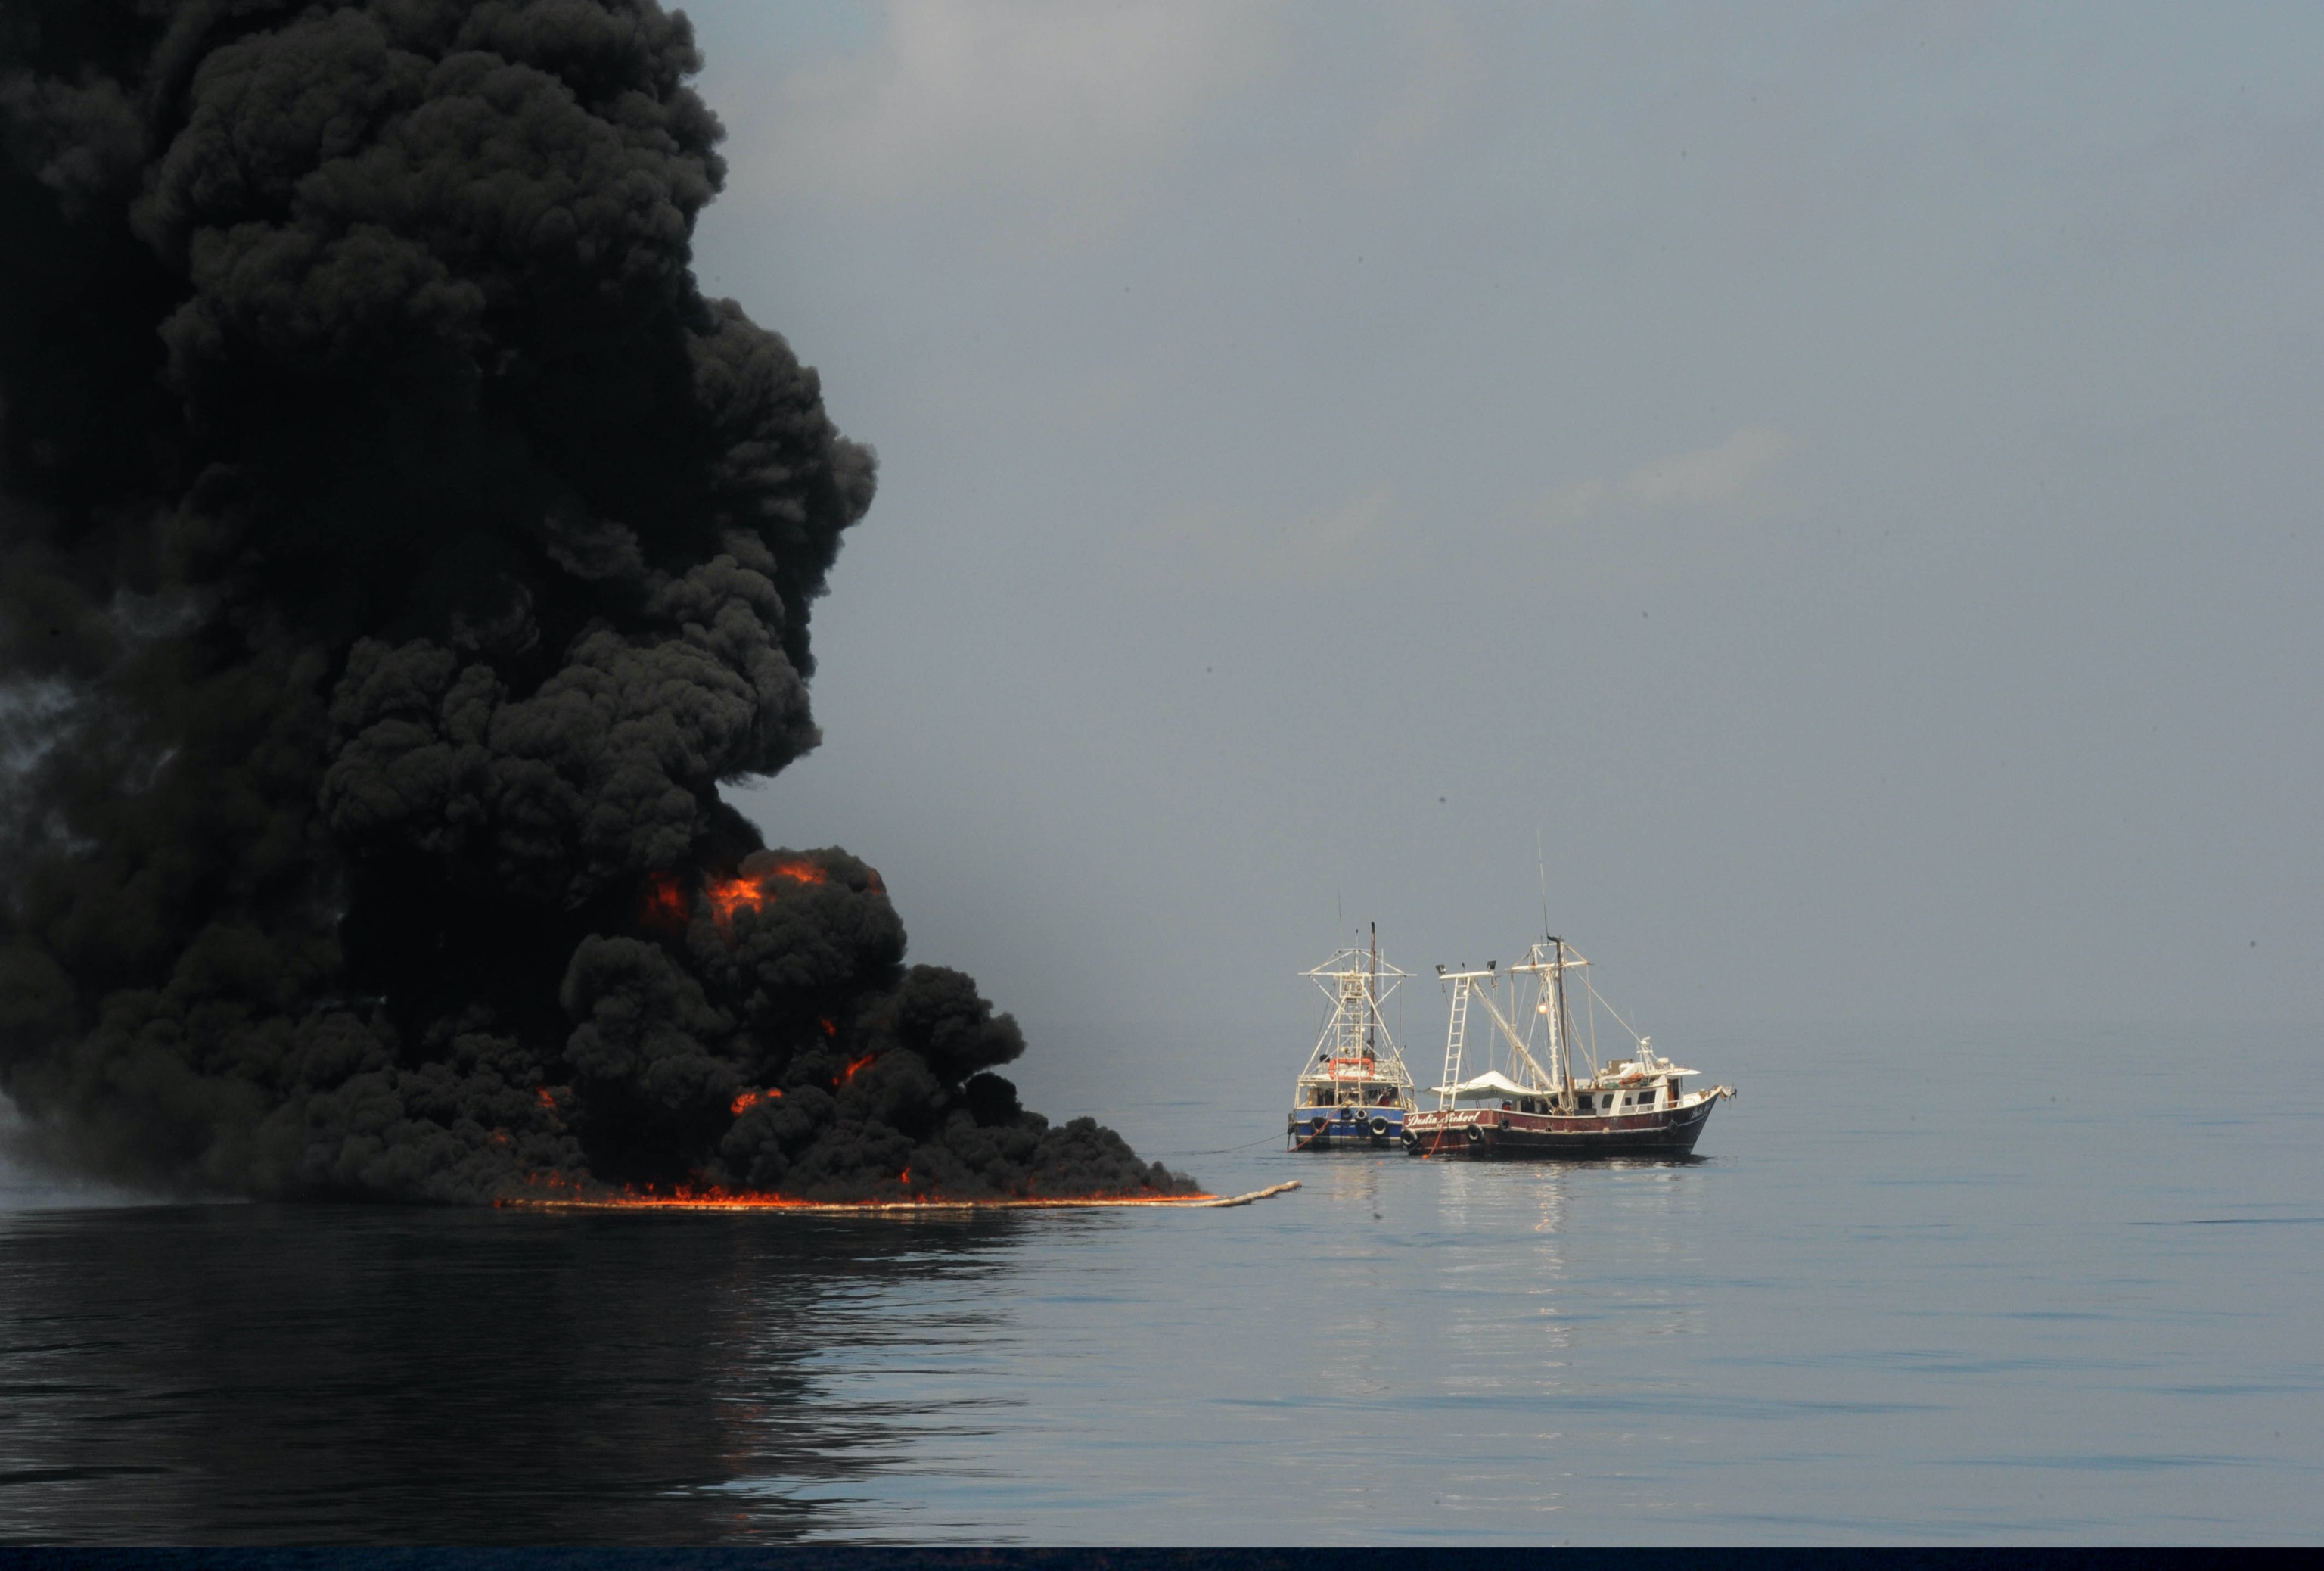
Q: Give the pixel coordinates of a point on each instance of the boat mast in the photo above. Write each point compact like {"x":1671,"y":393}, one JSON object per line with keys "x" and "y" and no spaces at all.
{"x":1561,"y":1025}
{"x":1356,"y":1045}
{"x":1548,"y":962}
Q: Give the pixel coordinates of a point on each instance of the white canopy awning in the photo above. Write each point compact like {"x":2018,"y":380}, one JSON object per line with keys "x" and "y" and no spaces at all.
{"x":1491,"y":1084}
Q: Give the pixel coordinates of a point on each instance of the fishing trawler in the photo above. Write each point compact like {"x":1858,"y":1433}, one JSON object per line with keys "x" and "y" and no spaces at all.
{"x":1354,"y":1092}
{"x":1539,"y":1107}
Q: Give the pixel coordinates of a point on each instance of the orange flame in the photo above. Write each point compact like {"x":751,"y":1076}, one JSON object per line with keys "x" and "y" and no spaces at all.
{"x":849,"y":1073}
{"x":749,"y":1099}
{"x":713,"y":1197}
{"x":573,"y":1187}
{"x":829,"y":1029}
{"x":665,"y":904}
{"x":546,"y":1097}
{"x":729,"y":895}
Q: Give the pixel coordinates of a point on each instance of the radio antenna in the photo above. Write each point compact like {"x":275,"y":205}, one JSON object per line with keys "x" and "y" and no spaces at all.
{"x":1541,"y":869}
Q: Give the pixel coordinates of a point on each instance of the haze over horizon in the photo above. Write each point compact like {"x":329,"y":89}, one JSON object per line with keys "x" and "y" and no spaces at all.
{"x":1843,"y":478}
{"x":1842,"y":481}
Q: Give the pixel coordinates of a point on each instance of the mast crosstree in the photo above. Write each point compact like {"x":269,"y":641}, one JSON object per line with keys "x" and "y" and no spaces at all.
{"x":1549,"y":1022}
{"x":1353,"y":1035}
{"x":1534,"y":1101}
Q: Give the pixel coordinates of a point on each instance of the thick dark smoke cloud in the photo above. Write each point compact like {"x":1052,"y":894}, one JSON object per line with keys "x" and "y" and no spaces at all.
{"x":396,"y":554}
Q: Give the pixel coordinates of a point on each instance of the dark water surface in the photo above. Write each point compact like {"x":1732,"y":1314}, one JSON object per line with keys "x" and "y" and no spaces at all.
{"x":1917,"y":1287}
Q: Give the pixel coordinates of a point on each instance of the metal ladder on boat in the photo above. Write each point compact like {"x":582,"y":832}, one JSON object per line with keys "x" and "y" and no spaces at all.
{"x":1454,"y":1035}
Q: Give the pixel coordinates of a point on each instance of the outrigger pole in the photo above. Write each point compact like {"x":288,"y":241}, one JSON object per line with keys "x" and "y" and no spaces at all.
{"x":1371,"y":1016}
{"x":1465,"y":991}
{"x":1564,"y":1026}
{"x":1548,"y":961}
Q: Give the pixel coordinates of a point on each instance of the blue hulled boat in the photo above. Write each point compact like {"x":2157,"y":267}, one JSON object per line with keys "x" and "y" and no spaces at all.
{"x":1354,"y":1093}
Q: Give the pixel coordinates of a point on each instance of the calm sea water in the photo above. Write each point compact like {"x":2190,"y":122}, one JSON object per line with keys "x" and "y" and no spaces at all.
{"x":1925,"y":1286}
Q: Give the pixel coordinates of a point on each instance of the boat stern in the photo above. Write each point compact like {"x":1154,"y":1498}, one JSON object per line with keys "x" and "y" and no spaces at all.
{"x":1369,"y":1128}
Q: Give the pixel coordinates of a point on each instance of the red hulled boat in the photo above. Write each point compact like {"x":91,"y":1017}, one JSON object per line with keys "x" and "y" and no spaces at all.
{"x":1641,"y":1106}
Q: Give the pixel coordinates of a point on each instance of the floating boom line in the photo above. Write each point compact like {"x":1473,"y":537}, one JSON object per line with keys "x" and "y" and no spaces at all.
{"x":711,"y":1201}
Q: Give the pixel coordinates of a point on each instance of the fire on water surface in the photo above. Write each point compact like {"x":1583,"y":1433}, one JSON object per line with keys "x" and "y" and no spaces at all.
{"x":721,"y":1200}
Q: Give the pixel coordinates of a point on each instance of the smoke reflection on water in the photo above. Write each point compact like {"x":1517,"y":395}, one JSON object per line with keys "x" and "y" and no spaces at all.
{"x":260,"y":1374}
{"x":1887,"y":1323}
{"x":263,"y":1374}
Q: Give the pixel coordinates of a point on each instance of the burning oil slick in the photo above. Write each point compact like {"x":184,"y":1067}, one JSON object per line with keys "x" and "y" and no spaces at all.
{"x":396,"y":552}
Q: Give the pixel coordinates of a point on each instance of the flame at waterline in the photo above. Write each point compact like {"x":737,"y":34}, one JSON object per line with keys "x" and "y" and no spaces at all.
{"x":716,"y":1199}
{"x":566,"y":1194}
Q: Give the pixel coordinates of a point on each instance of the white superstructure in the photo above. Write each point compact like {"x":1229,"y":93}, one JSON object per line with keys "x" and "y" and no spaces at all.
{"x":1354,"y":1084}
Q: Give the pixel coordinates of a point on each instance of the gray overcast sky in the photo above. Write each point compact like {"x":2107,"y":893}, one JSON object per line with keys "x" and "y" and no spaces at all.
{"x":1846,"y":477}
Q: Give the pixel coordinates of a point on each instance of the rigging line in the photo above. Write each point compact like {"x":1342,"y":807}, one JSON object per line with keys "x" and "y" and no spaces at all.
{"x":1594,"y":1002}
{"x":1626,"y":1025}
{"x":1228,"y":1150}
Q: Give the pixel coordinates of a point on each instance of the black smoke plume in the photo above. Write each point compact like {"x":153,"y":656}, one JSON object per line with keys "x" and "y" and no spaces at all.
{"x":397,"y":552}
